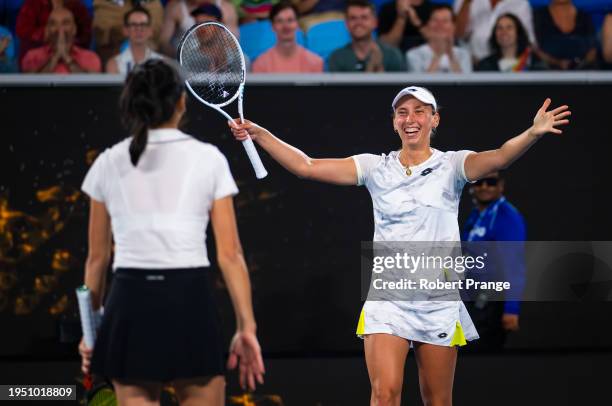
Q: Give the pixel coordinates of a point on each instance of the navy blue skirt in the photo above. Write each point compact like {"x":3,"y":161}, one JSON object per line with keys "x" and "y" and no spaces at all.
{"x":159,"y":326}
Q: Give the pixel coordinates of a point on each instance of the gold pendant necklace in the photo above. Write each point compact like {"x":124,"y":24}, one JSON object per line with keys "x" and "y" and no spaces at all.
{"x":406,"y":168}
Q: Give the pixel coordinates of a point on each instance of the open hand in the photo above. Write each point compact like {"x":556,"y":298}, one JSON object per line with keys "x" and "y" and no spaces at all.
{"x":245,"y":353}
{"x":404,"y":8}
{"x":547,"y":121}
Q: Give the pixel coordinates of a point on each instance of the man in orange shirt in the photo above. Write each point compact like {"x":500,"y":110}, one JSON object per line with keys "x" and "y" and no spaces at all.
{"x":60,"y":54}
{"x":286,"y":56}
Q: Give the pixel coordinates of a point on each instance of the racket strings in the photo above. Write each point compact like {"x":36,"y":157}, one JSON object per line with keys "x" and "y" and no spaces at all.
{"x":212,"y":63}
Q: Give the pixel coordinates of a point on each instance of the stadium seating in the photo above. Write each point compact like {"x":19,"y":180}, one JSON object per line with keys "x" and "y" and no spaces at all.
{"x":257,"y":37}
{"x":323,"y":38}
{"x":597,"y":8}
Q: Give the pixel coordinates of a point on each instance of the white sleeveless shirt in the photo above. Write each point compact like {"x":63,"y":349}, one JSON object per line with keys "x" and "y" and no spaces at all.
{"x":125,"y":60}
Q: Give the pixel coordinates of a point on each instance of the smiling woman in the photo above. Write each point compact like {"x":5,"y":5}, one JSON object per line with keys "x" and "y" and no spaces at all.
{"x":512,"y":50}
{"x":411,"y":208}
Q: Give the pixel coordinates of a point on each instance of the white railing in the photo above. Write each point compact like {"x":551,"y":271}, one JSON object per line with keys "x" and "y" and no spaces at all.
{"x":586,"y":77}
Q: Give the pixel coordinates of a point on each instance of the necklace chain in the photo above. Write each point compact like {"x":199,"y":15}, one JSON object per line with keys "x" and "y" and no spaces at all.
{"x":406,"y":168}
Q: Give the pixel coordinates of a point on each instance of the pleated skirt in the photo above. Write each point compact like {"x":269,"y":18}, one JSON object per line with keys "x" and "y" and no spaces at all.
{"x":159,"y":326}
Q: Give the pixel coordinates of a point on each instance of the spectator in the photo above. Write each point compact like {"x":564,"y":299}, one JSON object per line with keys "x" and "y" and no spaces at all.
{"x":495,"y":219}
{"x":566,"y":36}
{"x":317,"y":11}
{"x":252,"y":10}
{"x":7,"y":52}
{"x":60,"y":54}
{"x":32,"y":22}
{"x":476,"y":18}
{"x":286,"y":56}
{"x":512,"y":51}
{"x":439,"y":54}
{"x":606,"y":43}
{"x":363,"y":53}
{"x":178,"y":20}
{"x":108,"y":23}
{"x":206,"y":13}
{"x":209,"y":12}
{"x":137,"y":27}
{"x":401,"y":22}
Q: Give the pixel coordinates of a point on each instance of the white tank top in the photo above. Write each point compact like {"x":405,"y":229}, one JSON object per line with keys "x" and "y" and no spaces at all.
{"x":125,"y":60}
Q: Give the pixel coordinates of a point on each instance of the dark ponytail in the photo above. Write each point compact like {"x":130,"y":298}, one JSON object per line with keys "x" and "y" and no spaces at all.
{"x":152,"y":90}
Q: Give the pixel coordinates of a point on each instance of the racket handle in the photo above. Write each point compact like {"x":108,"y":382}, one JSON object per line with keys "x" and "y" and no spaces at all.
{"x":260,"y":171}
{"x":88,"y":317}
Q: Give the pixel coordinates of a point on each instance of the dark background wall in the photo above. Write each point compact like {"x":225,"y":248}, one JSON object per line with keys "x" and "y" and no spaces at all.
{"x":302,"y":239}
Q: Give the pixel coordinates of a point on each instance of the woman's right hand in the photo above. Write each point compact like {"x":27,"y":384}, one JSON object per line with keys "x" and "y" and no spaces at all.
{"x":242,"y":131}
{"x":86,"y":354}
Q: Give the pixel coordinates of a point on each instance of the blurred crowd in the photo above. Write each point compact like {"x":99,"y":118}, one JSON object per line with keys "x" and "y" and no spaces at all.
{"x":303,"y":36}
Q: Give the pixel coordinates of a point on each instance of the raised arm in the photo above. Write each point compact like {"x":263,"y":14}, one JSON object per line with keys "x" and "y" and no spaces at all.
{"x":244,"y":349}
{"x":483,"y":163}
{"x":405,"y":14}
{"x":167,"y":30}
{"x":337,"y":171}
{"x":463,"y":19}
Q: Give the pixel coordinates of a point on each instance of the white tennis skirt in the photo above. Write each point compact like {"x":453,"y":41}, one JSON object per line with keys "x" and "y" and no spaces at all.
{"x":445,"y":323}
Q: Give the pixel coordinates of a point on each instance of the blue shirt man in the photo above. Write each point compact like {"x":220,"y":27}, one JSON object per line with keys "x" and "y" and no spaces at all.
{"x":495,"y":219}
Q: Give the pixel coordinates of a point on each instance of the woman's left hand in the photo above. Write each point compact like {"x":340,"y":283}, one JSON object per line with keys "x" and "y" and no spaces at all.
{"x":547,"y":121}
{"x":86,"y":354}
{"x":245,"y":353}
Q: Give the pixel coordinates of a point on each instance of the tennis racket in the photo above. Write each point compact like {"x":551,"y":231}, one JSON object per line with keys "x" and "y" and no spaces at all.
{"x":215,"y":72}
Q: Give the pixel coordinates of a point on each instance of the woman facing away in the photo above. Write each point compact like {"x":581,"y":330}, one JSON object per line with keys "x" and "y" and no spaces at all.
{"x":154,"y":193}
{"x":409,"y":207}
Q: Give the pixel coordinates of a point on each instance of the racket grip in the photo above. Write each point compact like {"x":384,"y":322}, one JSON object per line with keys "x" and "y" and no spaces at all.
{"x":249,"y":146}
{"x":89,"y":318}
